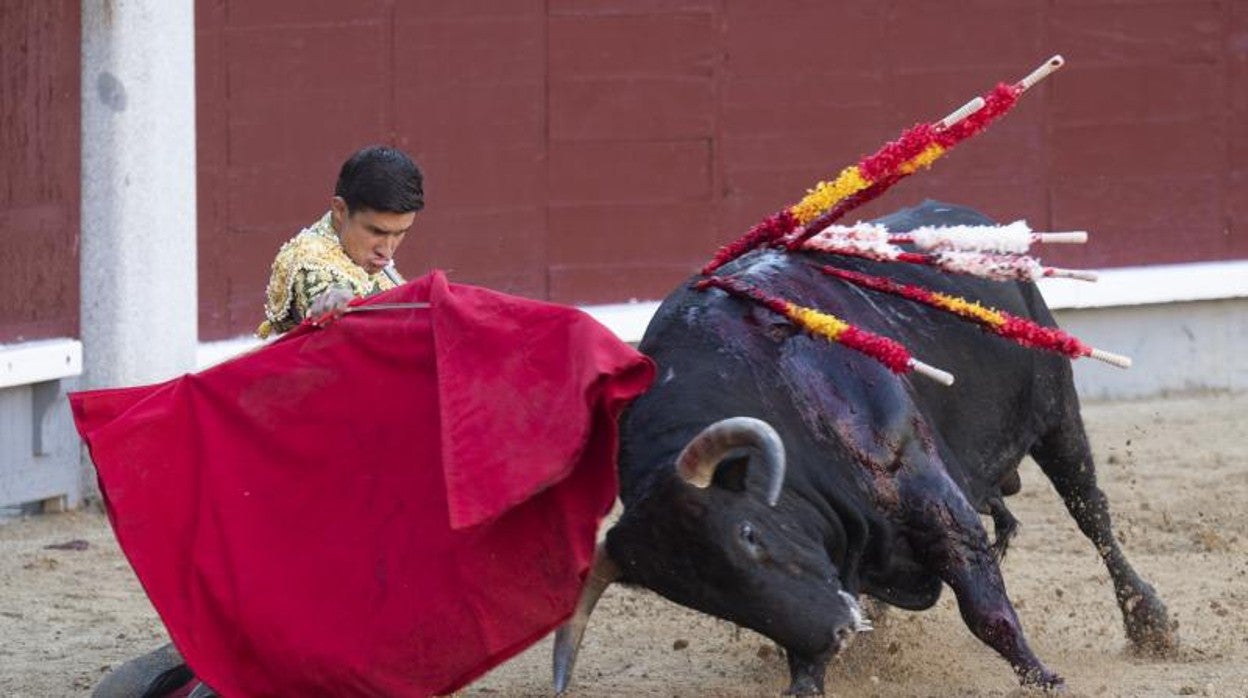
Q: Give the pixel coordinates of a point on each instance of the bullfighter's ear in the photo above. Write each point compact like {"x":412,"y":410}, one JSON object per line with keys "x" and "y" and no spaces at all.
{"x":731,"y":471}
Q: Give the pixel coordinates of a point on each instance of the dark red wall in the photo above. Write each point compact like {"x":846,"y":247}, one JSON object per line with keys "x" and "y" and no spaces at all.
{"x":600,"y":150}
{"x":39,"y":169}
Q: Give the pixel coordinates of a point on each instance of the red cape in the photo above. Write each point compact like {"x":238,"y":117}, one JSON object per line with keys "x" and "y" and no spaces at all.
{"x":390,"y":505}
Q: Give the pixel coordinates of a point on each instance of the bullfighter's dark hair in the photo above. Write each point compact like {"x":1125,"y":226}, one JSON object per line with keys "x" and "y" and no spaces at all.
{"x":381,"y":178}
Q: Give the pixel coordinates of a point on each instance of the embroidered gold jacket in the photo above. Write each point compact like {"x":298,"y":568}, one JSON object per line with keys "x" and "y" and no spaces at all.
{"x":305,"y":267}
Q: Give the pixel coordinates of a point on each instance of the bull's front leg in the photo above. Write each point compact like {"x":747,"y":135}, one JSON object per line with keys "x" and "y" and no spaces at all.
{"x":949,"y":539}
{"x":806,"y":673}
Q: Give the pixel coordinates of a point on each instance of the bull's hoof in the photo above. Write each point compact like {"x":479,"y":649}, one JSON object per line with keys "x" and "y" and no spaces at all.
{"x":156,"y":673}
{"x":805,"y":686}
{"x":1149,"y":627}
{"x":806,"y":673}
{"x":1043,"y":679}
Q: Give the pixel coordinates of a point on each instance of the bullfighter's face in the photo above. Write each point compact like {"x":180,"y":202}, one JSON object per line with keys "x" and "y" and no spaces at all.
{"x":370,"y":238}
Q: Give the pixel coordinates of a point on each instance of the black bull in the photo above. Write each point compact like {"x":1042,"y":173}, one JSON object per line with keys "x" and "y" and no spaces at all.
{"x":885,"y":477}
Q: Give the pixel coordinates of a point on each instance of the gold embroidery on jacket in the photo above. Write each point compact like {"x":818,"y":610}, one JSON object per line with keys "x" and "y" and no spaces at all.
{"x":305,"y":267}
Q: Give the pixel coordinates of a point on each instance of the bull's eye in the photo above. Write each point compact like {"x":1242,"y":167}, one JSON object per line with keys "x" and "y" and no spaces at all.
{"x":747,"y":534}
{"x":749,"y":538}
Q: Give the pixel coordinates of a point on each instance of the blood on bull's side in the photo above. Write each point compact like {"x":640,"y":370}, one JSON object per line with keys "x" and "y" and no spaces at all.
{"x":771,"y":478}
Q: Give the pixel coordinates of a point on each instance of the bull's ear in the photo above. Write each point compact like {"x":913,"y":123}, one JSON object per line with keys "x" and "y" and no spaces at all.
{"x":731,"y":471}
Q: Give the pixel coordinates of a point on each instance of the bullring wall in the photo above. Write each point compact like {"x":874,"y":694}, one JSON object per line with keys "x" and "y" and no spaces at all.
{"x":596,"y":151}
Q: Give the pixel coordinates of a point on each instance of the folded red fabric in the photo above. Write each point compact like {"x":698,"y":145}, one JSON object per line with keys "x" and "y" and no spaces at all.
{"x":390,"y":505}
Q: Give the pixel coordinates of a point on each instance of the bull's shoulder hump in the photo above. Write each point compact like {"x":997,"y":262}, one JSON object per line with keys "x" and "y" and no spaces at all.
{"x":935,"y":213}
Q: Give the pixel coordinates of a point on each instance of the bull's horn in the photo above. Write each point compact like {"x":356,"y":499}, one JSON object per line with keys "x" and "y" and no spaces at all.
{"x":568,"y":637}
{"x":698,"y":461}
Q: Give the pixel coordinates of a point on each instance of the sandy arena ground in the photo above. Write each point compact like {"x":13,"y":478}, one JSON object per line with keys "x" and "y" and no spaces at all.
{"x":1175,"y":470}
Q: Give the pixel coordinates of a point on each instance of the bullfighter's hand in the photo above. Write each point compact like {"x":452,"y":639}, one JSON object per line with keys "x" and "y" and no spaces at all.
{"x":330,"y":305}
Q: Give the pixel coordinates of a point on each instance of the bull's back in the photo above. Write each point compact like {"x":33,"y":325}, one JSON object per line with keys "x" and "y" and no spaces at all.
{"x":719,"y":356}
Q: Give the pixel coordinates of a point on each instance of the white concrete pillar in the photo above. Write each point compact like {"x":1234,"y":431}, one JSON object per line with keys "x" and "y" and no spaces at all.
{"x":139,"y":298}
